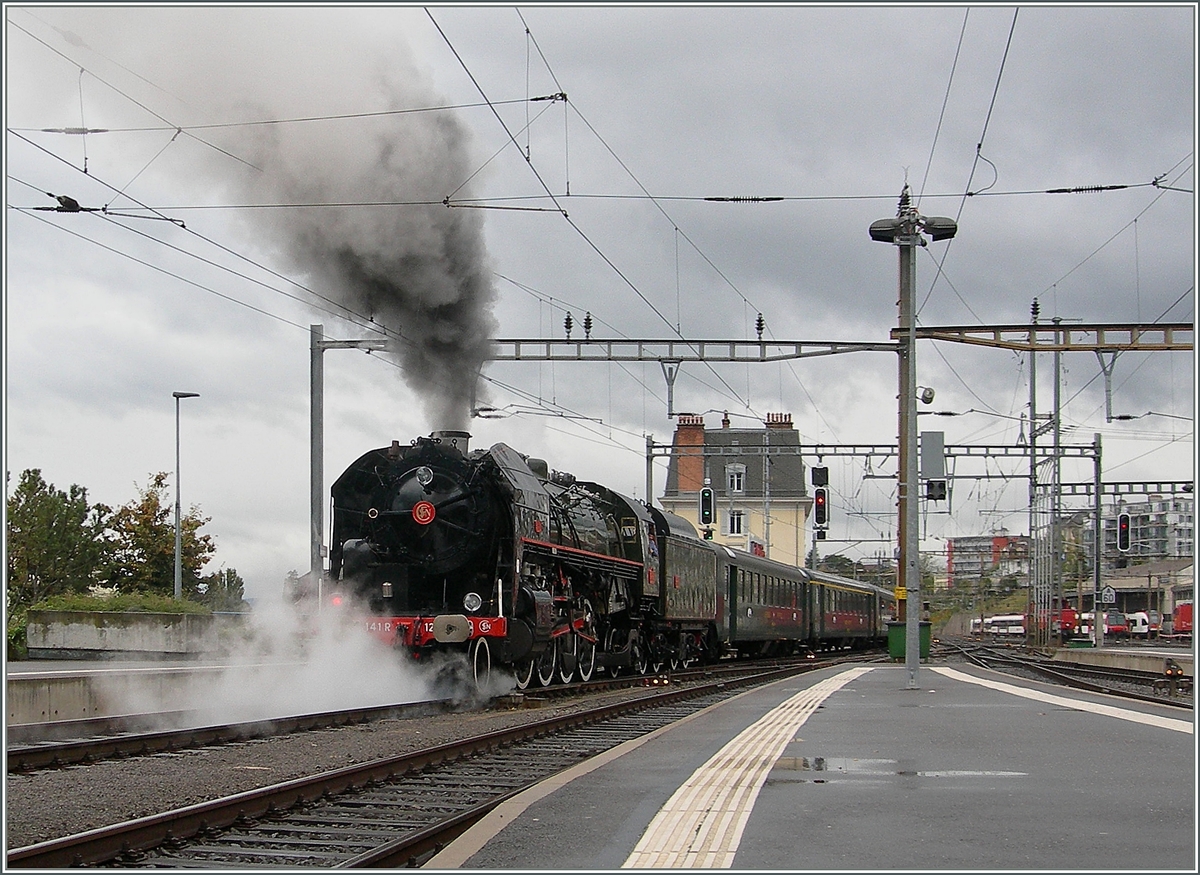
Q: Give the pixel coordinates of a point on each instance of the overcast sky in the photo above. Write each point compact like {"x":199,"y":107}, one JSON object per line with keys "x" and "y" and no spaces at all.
{"x":264,"y":169}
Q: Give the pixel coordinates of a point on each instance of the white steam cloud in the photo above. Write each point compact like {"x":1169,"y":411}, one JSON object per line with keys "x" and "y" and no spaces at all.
{"x":286,"y":663}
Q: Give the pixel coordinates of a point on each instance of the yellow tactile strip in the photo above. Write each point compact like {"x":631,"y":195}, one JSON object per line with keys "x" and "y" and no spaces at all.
{"x":701,"y":825}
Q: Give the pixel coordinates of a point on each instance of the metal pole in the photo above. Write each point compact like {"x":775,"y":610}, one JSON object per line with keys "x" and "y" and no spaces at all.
{"x":316,"y":457}
{"x":649,"y":470}
{"x":1035,"y":549}
{"x":909,"y":521}
{"x":1056,"y":500}
{"x":905,"y":232}
{"x":178,"y":531}
{"x":178,"y":534}
{"x":1097,"y":553}
{"x":317,"y":347}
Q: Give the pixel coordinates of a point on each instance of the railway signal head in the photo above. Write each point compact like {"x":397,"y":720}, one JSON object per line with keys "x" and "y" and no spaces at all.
{"x":820,"y":476}
{"x":1123,"y":532}
{"x":707,"y":506}
{"x":820,"y":506}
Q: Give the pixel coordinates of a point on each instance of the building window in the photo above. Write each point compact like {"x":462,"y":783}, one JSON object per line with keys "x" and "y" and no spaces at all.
{"x":735,"y":522}
{"x":735,"y":478}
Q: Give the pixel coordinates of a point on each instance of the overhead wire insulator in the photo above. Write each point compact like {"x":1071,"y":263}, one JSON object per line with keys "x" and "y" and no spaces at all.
{"x":1085,"y":189}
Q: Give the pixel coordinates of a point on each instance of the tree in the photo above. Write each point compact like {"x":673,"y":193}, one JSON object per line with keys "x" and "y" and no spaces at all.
{"x":223,"y":590}
{"x":838,"y":564}
{"x":141,"y":537}
{"x":54,"y":540}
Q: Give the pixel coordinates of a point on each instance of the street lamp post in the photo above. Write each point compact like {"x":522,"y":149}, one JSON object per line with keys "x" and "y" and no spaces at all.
{"x":905,"y":232}
{"x":178,"y":532}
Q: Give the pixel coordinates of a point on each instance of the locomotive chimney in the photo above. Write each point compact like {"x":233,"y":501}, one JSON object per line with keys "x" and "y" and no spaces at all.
{"x":457,"y":439}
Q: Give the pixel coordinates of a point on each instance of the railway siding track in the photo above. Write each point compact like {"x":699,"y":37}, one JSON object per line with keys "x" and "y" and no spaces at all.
{"x":1128,"y":683}
{"x":384,"y":813}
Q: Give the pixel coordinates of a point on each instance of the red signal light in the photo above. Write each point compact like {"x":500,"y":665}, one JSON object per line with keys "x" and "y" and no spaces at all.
{"x":820,"y":508}
{"x":1123,"y":532}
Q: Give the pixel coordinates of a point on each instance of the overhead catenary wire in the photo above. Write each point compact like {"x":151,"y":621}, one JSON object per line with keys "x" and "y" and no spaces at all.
{"x":131,"y":99}
{"x":555,"y":199}
{"x":945,"y":102}
{"x":988,"y":193}
{"x":364,"y":319}
{"x":970,"y":178}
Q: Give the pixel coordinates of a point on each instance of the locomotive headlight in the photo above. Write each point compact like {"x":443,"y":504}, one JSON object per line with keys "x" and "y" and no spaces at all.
{"x":424,"y":475}
{"x":472,"y":601}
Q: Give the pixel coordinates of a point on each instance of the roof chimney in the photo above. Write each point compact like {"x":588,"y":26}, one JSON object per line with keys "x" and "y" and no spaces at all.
{"x":689,"y":435}
{"x":779,"y":420}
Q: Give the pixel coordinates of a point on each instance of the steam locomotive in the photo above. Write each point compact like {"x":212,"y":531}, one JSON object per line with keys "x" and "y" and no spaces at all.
{"x":533,"y":572}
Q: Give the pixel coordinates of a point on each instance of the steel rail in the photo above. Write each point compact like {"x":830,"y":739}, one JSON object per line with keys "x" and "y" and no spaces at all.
{"x":31,"y":755}
{"x":64,"y":743}
{"x":105,"y":844}
{"x":1059,"y":676}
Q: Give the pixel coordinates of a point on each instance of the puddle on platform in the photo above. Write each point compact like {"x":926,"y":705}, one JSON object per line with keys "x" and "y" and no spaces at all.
{"x":849,"y":765}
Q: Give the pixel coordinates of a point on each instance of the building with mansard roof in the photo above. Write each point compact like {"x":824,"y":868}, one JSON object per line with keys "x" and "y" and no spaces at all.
{"x":758,"y":477}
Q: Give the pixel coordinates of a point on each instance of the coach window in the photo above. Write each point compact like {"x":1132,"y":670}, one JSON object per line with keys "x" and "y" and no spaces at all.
{"x":735,"y":479}
{"x":735,"y":522}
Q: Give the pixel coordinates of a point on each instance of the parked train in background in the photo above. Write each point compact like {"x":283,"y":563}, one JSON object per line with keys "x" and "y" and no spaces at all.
{"x":1145,"y":624}
{"x":1115,"y":623}
{"x":1181,"y":620}
{"x":490,"y":554}
{"x":1011,"y":627}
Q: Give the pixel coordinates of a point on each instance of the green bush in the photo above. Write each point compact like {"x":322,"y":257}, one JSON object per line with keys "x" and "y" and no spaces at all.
{"x":16,"y":647}
{"x":134,"y":602}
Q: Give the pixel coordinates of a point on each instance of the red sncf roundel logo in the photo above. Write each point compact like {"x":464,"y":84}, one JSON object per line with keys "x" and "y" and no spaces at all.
{"x":424,"y":512}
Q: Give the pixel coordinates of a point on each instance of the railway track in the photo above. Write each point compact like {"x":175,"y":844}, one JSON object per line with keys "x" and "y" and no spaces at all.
{"x":391,"y":812}
{"x":66,"y":743}
{"x":1129,"y":683}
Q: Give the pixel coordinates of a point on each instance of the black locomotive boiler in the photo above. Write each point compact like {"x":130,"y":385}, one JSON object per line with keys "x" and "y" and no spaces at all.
{"x":525,"y":570}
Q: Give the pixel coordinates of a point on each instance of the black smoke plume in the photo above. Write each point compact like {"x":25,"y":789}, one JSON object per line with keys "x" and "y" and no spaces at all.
{"x":395,"y":253}
{"x":391,"y":250}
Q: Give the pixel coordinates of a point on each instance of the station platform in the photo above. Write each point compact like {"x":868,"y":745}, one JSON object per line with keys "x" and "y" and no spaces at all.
{"x":1144,"y":658}
{"x":849,"y":769}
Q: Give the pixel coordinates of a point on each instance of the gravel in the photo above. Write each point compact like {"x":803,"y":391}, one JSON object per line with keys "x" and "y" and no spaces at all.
{"x":53,"y":803}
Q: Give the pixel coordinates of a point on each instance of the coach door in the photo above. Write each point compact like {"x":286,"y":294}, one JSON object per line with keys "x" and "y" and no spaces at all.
{"x":731,"y":606}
